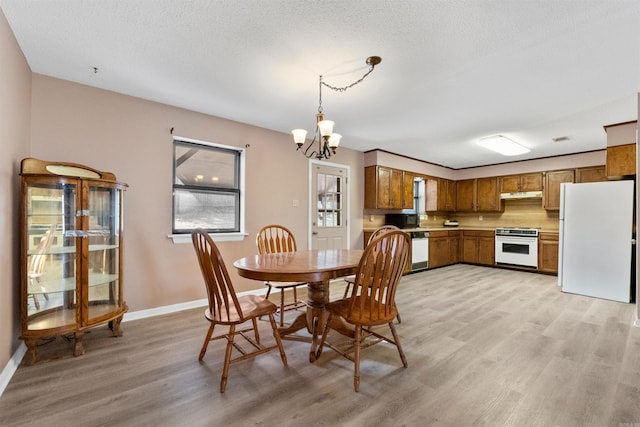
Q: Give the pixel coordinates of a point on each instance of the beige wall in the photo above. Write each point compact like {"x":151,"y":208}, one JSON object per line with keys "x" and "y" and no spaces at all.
{"x":15,"y":96}
{"x":131,"y":138}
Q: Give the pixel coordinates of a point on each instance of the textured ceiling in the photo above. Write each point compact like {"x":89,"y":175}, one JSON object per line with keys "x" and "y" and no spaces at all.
{"x":452,"y":71}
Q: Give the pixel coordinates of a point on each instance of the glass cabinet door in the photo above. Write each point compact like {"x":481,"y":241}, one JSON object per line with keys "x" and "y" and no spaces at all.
{"x":104,"y":251}
{"x":51,"y":255}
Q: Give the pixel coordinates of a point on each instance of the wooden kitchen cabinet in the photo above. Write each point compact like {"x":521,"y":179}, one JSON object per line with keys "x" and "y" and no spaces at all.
{"x":478,"y":195}
{"x":454,"y":247}
{"x":387,"y":188}
{"x":552,"y":181}
{"x":71,"y":252}
{"x":487,"y":195}
{"x":621,"y":160}
{"x":478,"y":247}
{"x":466,"y":194}
{"x":444,"y":248}
{"x":438,"y":248}
{"x":591,"y":174}
{"x":367,"y":236}
{"x":621,"y":149}
{"x":383,"y":188}
{"x":441,"y":195}
{"x":446,"y":195}
{"x":548,"y":252}
{"x":408,"y":191}
{"x":519,"y":183}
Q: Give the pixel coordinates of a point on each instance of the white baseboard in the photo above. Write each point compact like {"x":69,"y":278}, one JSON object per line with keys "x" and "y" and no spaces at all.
{"x":12,"y":366}
{"x":167,"y":309}
{"x":15,"y":360}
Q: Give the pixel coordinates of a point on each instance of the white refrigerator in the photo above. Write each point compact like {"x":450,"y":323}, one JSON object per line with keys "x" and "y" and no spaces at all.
{"x":594,"y":256}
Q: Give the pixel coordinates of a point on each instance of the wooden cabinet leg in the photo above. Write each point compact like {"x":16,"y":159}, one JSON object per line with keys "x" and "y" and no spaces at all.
{"x":114,"y":325}
{"x":31,"y":356}
{"x":78,"y":349}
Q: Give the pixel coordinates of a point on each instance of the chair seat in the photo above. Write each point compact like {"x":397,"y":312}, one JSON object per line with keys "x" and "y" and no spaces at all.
{"x":366,"y":316}
{"x":284,"y":285}
{"x":251,"y":306}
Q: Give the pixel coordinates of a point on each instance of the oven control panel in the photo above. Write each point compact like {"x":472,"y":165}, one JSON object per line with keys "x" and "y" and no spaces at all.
{"x":520,"y":232}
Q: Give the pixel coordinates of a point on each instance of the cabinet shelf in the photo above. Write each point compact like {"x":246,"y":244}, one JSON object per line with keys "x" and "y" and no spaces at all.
{"x":72,"y":249}
{"x":69,"y":283}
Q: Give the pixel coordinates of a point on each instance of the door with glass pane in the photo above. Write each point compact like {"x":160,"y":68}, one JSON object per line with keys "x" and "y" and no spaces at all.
{"x":329,"y":228}
{"x":103,"y":240}
{"x":51,"y":227}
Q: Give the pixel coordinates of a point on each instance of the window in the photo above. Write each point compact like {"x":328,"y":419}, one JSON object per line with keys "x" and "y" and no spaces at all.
{"x":207,"y":187}
{"x":329,"y":193}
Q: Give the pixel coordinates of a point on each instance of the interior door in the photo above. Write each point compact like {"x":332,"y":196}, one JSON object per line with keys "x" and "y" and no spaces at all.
{"x":329,"y":206}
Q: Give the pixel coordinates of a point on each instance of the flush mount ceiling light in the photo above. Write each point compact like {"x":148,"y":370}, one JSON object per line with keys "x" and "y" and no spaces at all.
{"x":503,"y":145}
{"x":328,"y":141}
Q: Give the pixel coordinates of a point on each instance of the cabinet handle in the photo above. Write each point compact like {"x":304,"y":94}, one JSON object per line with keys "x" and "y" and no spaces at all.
{"x":83,"y":212}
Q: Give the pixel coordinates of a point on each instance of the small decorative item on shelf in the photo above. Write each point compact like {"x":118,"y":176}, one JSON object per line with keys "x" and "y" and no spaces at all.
{"x":71,"y":252}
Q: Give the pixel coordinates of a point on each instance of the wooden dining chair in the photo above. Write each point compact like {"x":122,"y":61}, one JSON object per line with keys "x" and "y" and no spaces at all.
{"x":350,"y":279}
{"x":372,"y":298}
{"x":273,"y":239}
{"x":226,"y":308}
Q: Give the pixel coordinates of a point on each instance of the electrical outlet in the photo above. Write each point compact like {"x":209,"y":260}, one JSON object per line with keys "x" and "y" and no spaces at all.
{"x":480,"y":218}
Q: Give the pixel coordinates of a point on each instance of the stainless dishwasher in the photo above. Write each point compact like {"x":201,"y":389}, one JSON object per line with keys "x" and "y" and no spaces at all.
{"x":419,"y":250}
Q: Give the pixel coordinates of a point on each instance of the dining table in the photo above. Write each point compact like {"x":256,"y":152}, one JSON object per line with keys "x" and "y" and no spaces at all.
{"x":315,"y":267}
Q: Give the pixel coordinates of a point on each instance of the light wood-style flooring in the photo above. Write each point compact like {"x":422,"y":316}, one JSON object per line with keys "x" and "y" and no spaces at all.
{"x":485,"y":346}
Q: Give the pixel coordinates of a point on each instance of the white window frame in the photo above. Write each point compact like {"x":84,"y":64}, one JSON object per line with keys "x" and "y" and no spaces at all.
{"x":217,"y":237}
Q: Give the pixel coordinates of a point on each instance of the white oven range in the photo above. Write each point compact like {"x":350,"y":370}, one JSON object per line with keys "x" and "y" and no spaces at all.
{"x":517,"y":246}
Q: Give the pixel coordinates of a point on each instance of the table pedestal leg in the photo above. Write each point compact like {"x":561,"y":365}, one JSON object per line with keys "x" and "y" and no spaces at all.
{"x":315,"y":318}
{"x":317,"y":297}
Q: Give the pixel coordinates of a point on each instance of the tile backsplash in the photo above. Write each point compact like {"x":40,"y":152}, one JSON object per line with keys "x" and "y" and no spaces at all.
{"x":517,"y":213}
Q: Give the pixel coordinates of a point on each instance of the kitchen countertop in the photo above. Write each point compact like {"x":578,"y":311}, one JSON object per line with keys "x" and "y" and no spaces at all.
{"x":443,"y":228}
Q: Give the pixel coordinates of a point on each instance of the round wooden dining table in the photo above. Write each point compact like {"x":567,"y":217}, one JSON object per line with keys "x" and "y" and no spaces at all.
{"x":316,"y":268}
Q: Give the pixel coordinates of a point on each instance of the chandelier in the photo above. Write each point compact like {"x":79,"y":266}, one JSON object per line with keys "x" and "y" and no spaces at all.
{"x":327,"y":140}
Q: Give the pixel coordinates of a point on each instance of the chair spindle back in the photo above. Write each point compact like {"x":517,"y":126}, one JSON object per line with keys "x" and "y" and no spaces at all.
{"x":275,"y":239}
{"x":377,"y":277}
{"x":220,"y":292}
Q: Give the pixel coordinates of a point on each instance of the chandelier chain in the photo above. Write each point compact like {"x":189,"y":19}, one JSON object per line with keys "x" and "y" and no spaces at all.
{"x":344,"y":88}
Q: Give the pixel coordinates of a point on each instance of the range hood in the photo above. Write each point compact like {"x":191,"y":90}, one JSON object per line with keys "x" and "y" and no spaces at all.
{"x":522,"y":195}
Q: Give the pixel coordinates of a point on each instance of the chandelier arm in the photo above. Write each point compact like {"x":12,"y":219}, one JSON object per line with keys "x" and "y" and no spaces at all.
{"x":309,"y":147}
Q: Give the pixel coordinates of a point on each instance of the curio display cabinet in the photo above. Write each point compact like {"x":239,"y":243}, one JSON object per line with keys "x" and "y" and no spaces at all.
{"x":71,"y":252}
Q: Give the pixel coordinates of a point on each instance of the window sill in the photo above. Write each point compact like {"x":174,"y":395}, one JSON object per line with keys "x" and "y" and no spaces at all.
{"x":217,"y":237}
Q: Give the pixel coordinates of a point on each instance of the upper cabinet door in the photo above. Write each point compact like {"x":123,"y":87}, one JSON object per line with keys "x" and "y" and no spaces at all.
{"x":552,"y":183}
{"x":591,"y":174}
{"x":408,"y":191}
{"x":510,"y":184}
{"x":384,"y":188}
{"x":531,"y":182}
{"x":465,"y":194}
{"x":524,"y":182}
{"x":621,"y":160}
{"x":488,"y":196}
